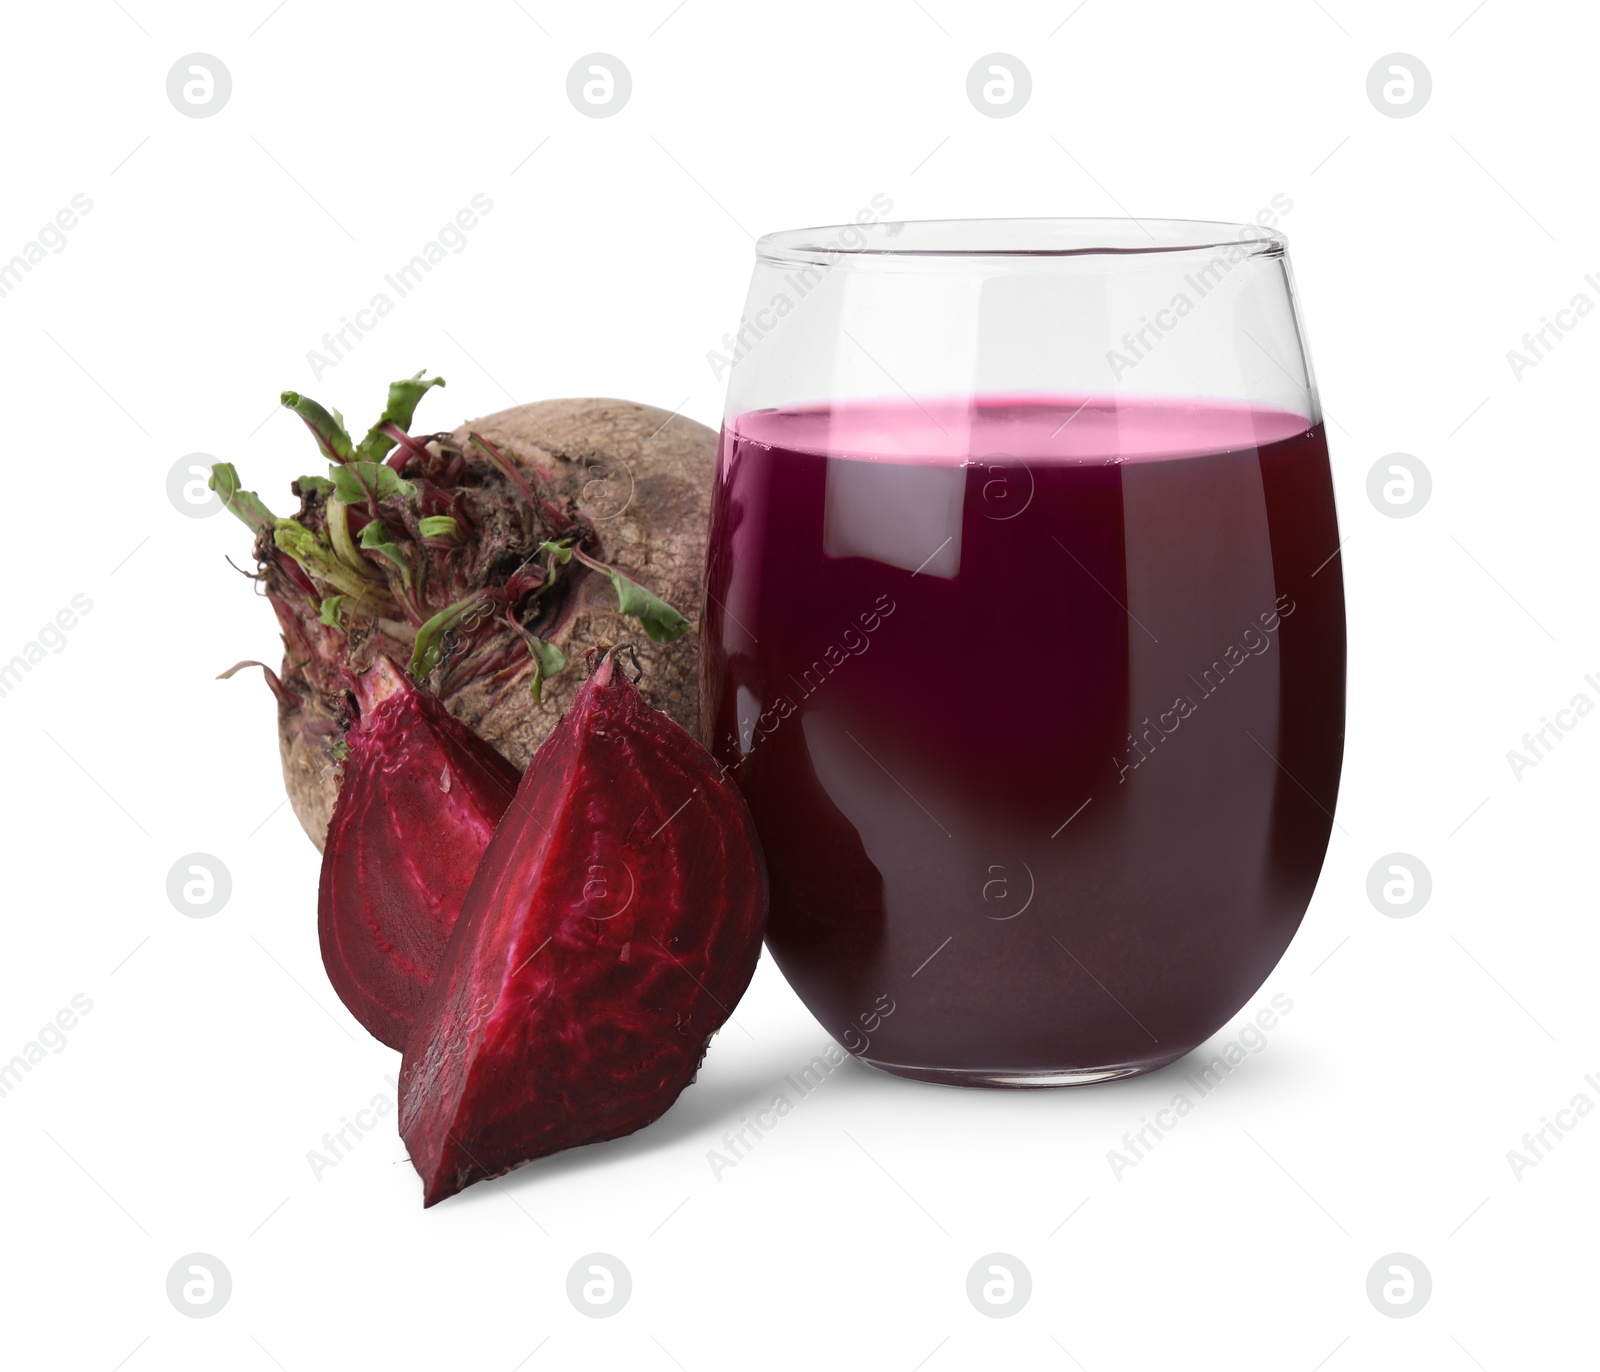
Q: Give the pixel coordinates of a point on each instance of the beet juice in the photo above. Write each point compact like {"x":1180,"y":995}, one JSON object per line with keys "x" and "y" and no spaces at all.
{"x":1038,"y":703}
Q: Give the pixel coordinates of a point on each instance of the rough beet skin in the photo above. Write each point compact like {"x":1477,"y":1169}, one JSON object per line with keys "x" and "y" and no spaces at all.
{"x":419,"y":803}
{"x":613,"y":924}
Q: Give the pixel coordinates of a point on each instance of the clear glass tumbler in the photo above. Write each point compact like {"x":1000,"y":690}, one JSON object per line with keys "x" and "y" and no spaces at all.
{"x":1024,"y":634}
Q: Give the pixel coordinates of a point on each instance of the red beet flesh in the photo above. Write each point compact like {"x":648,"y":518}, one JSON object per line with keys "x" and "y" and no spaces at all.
{"x":612,"y":926}
{"x":419,"y":802}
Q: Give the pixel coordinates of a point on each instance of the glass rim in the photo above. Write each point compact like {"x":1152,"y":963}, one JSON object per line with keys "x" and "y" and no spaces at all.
{"x":1013,"y":238}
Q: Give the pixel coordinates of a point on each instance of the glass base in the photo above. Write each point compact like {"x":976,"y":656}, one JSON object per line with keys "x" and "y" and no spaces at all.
{"x":1025,"y":1078}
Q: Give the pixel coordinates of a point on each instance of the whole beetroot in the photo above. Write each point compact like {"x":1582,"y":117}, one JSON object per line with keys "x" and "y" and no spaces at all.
{"x":446,"y":546}
{"x":612,"y":926}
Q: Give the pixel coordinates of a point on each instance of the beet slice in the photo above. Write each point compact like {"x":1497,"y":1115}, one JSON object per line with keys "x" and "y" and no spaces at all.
{"x":418,"y":805}
{"x":612,"y":926}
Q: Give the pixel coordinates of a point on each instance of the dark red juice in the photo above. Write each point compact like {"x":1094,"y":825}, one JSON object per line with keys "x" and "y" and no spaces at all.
{"x":1039,"y":707}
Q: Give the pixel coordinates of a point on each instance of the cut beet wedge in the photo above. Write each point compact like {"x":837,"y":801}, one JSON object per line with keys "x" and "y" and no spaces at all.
{"x":418,"y":805}
{"x":611,"y":928}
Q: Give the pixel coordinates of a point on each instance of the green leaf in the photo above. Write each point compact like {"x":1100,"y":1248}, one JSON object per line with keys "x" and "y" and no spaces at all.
{"x":356,"y":482}
{"x":328,"y":428}
{"x":439,"y":526}
{"x":344,"y":546}
{"x":313,"y":485}
{"x":247,"y":505}
{"x":403,"y":398}
{"x":375,"y":539}
{"x":547,"y":661}
{"x":330,"y":610}
{"x":426,"y":651}
{"x":340,"y":750}
{"x":661,"y":622}
{"x":562,"y":551}
{"x":293,"y":538}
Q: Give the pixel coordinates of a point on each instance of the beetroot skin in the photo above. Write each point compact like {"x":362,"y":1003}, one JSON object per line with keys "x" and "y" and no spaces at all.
{"x":613,"y":924}
{"x":419,"y":802}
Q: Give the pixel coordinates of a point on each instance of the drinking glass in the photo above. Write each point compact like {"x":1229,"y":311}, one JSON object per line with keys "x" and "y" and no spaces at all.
{"x":1024,"y":634}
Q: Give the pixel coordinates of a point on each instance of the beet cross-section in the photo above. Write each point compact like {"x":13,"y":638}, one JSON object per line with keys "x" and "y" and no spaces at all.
{"x":612,"y":926}
{"x":420,"y":800}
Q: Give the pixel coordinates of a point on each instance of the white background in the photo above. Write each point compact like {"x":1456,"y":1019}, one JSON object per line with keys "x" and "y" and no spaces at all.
{"x":179,"y":1115}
